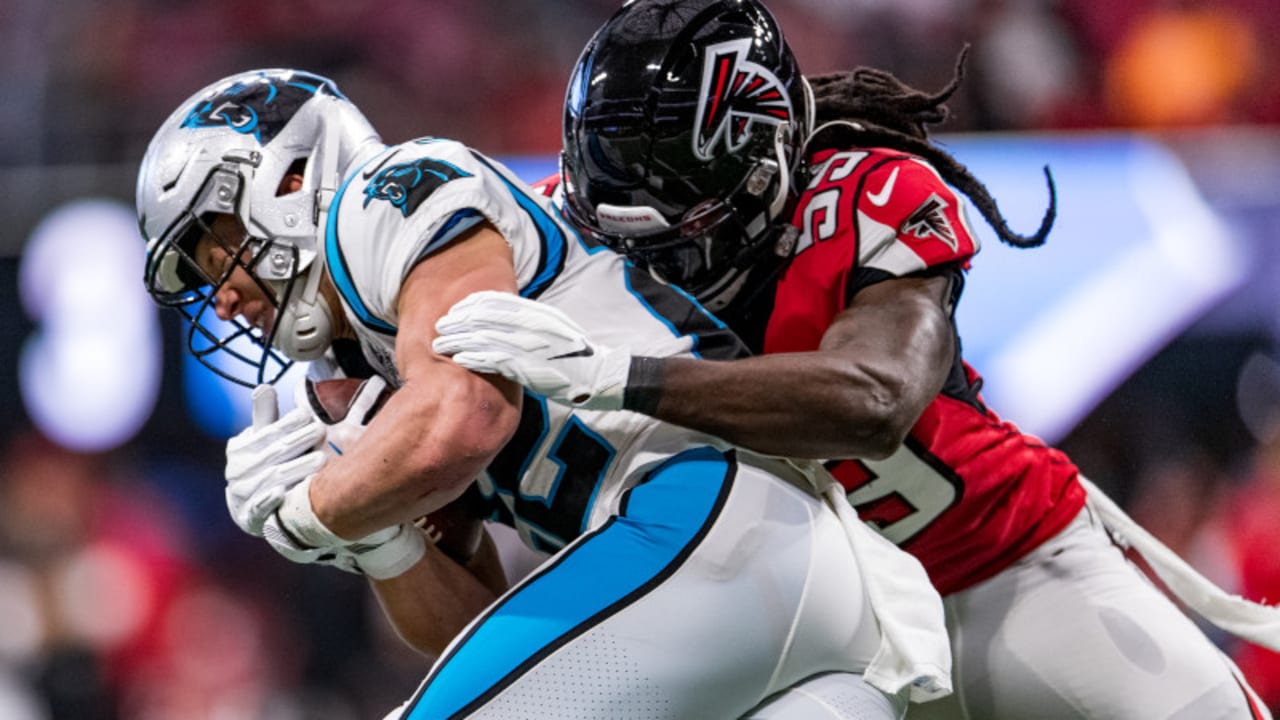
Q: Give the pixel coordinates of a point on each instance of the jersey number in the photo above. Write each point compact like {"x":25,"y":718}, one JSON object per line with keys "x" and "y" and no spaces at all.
{"x":556,"y":512}
{"x":820,"y":218}
{"x":901,"y":495}
{"x":820,"y":212}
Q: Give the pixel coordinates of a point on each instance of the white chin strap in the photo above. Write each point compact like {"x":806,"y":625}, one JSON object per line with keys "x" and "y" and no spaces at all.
{"x":779,"y":200}
{"x":305,"y":323}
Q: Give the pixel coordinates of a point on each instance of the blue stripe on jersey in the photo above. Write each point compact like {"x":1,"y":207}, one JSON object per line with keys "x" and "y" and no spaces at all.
{"x":552,"y":234}
{"x":337,"y":264}
{"x":662,"y":522}
{"x":458,"y":223}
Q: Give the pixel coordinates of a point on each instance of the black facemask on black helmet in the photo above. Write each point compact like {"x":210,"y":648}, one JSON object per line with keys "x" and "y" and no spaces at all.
{"x":681,"y":133}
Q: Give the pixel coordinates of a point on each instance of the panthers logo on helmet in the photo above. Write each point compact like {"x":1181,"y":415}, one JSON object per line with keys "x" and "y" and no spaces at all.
{"x":406,"y":185}
{"x":735,"y":93}
{"x":260,"y":107}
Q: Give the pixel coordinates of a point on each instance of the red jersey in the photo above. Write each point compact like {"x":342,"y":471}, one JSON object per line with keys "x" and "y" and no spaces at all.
{"x":547,"y":186}
{"x":968,"y":494}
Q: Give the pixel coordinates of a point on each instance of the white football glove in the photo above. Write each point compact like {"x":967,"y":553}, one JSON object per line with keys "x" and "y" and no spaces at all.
{"x":343,"y":434}
{"x":269,"y":457}
{"x":295,"y":532}
{"x":535,"y":345}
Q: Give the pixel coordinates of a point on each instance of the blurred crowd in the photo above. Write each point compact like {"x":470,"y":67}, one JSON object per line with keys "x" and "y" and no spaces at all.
{"x":126,"y":598}
{"x":126,"y":592}
{"x":89,"y":81}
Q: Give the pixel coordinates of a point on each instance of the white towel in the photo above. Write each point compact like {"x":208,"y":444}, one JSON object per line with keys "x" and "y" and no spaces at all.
{"x":1243,"y":618}
{"x":914,"y":650}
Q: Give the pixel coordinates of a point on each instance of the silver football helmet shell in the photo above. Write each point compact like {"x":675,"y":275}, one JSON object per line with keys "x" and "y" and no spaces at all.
{"x":225,"y":150}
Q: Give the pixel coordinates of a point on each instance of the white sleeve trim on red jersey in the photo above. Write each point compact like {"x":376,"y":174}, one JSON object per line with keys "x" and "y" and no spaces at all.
{"x":961,"y":204}
{"x":880,"y":248}
{"x":938,"y":219}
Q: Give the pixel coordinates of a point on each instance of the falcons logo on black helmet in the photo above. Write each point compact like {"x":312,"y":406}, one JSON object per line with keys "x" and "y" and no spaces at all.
{"x":735,"y":94}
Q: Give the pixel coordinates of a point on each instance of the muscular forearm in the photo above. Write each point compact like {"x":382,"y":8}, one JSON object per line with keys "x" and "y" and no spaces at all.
{"x":443,"y":425}
{"x":794,"y":404}
{"x":378,"y":486}
{"x":415,"y":457}
{"x":879,"y":364}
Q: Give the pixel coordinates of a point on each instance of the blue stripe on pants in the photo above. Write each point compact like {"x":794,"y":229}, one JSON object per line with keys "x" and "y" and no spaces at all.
{"x":662,"y":521}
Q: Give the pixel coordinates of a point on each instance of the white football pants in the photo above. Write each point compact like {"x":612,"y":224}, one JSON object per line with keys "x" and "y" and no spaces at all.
{"x":1073,"y":631}
{"x":715,"y":587}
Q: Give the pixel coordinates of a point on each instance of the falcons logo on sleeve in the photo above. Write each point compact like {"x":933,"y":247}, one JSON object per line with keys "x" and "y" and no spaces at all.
{"x":930,"y":220}
{"x":735,"y":93}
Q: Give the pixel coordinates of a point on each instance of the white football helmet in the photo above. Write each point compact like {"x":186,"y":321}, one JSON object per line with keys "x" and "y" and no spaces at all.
{"x":225,"y":150}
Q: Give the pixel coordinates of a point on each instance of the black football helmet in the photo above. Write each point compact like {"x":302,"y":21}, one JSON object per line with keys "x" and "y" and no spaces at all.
{"x":682,"y":126}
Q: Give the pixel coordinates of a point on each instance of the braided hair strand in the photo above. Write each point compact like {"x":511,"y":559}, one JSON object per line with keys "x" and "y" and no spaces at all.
{"x":872,"y":107}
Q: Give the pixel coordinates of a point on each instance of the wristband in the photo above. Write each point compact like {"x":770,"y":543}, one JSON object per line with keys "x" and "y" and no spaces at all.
{"x":298,"y":519}
{"x":644,"y":385}
{"x":392,"y":557}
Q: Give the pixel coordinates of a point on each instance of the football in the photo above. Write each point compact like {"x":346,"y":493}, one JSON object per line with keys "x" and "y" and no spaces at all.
{"x":330,"y":400}
{"x":457,"y":528}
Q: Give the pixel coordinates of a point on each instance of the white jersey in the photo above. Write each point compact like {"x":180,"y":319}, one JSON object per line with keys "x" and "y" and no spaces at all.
{"x":563,"y":471}
{"x":664,"y":538}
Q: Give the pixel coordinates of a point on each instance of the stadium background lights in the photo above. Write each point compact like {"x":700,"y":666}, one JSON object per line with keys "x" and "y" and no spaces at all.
{"x":1135,"y":257}
{"x":90,"y":371}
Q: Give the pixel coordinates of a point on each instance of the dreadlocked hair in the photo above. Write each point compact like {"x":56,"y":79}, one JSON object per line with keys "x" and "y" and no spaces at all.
{"x":878,"y":109}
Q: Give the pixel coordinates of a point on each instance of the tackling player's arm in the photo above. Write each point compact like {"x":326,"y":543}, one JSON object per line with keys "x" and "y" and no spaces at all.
{"x":881,"y":359}
{"x":441,"y":429}
{"x":881,"y":362}
{"x":877,"y":366}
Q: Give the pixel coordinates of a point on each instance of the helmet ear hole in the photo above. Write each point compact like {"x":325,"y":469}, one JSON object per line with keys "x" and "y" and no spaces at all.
{"x":291,"y":181}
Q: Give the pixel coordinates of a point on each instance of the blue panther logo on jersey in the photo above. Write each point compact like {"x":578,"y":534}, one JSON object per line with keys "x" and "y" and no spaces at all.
{"x":406,"y":185}
{"x":260,"y":107}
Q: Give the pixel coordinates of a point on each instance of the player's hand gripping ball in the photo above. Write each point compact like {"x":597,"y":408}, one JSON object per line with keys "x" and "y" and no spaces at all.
{"x":346,"y":406}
